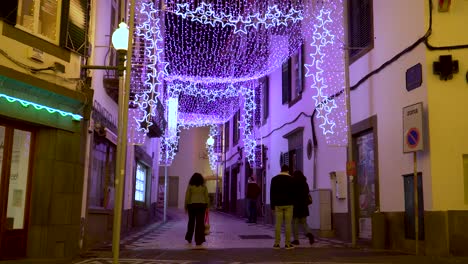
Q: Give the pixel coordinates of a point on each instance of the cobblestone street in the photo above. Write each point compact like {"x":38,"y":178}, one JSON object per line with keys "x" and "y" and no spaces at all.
{"x":232,"y":241}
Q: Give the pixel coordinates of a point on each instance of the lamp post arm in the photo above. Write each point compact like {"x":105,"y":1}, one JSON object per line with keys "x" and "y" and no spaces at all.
{"x":97,"y":67}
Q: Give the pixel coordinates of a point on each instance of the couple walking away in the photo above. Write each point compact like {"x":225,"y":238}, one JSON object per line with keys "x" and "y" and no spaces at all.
{"x":289,"y":198}
{"x":196,"y":204}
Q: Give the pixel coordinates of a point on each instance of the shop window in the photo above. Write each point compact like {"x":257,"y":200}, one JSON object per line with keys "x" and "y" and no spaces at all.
{"x":140,"y":182}
{"x":102,"y":176}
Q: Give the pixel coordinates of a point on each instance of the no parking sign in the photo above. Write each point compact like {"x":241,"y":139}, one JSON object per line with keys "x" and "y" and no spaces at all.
{"x":412,"y":128}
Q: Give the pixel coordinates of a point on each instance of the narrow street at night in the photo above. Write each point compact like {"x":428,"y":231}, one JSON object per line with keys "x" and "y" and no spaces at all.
{"x":198,"y":131}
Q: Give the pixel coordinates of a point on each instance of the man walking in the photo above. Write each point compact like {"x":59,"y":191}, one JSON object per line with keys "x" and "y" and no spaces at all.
{"x":253,"y":190}
{"x":282,"y":200}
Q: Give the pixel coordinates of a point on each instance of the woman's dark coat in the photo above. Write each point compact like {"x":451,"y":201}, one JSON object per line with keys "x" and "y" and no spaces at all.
{"x":301,"y":207}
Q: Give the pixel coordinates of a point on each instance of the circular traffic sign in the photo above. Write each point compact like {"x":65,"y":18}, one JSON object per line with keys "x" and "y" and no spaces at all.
{"x":412,"y":137}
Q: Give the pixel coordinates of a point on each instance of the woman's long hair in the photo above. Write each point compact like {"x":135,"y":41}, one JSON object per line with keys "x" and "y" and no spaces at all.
{"x":197,"y":179}
{"x":298,"y":175}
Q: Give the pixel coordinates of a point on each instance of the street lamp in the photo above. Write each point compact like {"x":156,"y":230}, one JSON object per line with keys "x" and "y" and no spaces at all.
{"x":121,"y":42}
{"x":210,"y":141}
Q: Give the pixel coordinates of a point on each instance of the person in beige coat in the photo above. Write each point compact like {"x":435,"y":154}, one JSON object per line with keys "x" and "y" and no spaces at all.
{"x":196,"y":203}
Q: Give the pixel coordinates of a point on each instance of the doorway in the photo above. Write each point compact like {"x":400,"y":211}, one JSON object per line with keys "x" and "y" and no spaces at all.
{"x":172,"y":190}
{"x":233,"y":190}
{"x":15,"y":173}
{"x":366,"y":185}
{"x":226,"y":180}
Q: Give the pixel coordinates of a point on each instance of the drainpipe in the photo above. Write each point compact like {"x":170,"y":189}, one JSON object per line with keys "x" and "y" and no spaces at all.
{"x":349,"y":149}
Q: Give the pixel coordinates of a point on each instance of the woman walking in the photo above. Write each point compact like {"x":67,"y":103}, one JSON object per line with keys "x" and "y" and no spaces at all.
{"x":301,"y":207}
{"x":196,"y":203}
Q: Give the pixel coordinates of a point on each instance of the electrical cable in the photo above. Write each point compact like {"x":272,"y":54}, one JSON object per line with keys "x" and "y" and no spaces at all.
{"x":285,"y":124}
{"x":429,"y":46}
{"x":36,"y":70}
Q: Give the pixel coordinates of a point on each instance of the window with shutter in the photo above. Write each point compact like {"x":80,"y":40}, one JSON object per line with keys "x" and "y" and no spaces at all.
{"x":74,"y":25}
{"x":236,"y":128}
{"x":292,"y":77}
{"x":360,"y":28}
{"x":258,"y":105}
{"x":296,"y":75}
{"x":226,"y":135}
{"x":286,"y":81}
{"x":265,"y":84}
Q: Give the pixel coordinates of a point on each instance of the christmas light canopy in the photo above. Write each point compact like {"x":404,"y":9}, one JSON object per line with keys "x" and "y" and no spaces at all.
{"x":202,"y":60}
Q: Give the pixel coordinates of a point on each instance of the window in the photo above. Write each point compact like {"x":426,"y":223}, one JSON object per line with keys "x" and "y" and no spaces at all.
{"x":293,"y":77}
{"x":102,"y":173}
{"x":41,"y":18}
{"x":61,"y":22}
{"x":265,"y":87}
{"x":360,"y":28}
{"x":226,"y":136}
{"x":140,"y":182}
{"x":236,"y":128}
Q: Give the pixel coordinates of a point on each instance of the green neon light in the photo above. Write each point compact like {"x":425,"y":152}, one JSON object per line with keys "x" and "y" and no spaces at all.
{"x":40,"y":107}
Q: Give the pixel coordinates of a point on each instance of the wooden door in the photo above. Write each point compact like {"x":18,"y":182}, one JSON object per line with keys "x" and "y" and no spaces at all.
{"x":15,"y":162}
{"x":173,"y":191}
{"x":226,"y":180}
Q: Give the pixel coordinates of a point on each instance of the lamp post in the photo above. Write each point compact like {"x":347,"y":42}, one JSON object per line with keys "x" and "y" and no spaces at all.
{"x":121,"y":42}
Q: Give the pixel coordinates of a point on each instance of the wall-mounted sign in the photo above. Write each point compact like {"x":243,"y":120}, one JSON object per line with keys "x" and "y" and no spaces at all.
{"x":412,"y":128}
{"x":414,"y":77}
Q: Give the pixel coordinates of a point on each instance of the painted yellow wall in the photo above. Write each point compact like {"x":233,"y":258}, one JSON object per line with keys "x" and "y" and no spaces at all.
{"x":448,"y":109}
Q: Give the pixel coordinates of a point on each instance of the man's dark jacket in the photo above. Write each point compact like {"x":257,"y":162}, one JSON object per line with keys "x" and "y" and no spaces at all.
{"x":282,"y":190}
{"x":252,"y":190}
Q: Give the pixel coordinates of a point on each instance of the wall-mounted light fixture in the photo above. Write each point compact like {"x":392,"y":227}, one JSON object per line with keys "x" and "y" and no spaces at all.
{"x":120,"y":43}
{"x":445,"y":67}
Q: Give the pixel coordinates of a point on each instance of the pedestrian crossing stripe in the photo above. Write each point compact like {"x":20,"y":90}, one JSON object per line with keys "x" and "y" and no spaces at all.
{"x":151,"y":261}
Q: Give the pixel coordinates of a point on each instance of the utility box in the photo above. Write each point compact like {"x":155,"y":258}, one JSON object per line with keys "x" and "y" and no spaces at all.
{"x":321,"y":212}
{"x":341,"y":185}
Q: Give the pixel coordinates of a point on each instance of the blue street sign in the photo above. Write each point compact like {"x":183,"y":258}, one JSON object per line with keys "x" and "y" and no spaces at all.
{"x":412,"y":137}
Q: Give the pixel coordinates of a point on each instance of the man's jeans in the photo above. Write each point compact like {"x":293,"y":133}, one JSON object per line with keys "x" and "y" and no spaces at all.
{"x":285,"y":211}
{"x":252,"y":206}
